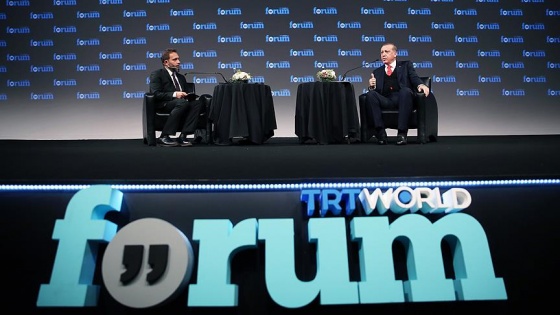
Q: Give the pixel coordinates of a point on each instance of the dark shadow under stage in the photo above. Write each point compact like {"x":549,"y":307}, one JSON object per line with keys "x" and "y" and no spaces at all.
{"x":279,"y":159}
{"x":506,"y":235}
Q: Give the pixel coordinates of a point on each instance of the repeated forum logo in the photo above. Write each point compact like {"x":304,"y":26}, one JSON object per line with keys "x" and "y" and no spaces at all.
{"x":143,"y":270}
{"x":372,"y":11}
{"x":509,"y":34}
{"x":444,"y":78}
{"x":277,"y":11}
{"x":230,"y":11}
{"x":443,"y":53}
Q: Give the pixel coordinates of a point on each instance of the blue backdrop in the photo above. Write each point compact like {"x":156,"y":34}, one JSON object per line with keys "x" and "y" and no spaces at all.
{"x":78,"y":69}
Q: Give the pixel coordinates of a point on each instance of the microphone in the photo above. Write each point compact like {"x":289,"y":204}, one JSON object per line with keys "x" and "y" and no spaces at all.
{"x":345,"y":73}
{"x":174,"y":69}
{"x":225,"y":80}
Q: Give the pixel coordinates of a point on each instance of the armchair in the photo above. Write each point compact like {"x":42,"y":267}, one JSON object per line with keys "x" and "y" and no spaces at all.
{"x":153,"y":121}
{"x":424,"y":116}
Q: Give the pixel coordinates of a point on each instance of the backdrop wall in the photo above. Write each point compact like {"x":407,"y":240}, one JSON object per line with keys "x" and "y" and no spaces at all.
{"x":78,"y":69}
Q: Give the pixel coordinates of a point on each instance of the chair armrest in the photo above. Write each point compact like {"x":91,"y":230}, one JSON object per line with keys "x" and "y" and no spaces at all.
{"x":420,"y":97}
{"x":148,"y":117}
{"x":367,"y":127}
{"x":150,"y":104}
{"x":427,"y":81}
{"x":427,"y":111}
{"x":431,"y":110}
{"x":206,"y":100}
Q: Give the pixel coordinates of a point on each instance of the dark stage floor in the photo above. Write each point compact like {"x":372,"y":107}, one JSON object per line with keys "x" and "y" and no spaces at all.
{"x":280,"y":159}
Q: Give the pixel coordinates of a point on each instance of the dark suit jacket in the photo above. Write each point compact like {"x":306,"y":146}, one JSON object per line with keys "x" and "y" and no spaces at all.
{"x":161,"y":85}
{"x":406,"y":75}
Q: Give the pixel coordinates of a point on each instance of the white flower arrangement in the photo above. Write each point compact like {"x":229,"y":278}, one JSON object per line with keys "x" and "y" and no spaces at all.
{"x":326,"y":75}
{"x":240,"y":76}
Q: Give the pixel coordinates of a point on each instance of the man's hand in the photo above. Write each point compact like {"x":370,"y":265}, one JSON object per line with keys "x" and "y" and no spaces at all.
{"x":372,"y":82}
{"x":423,"y":88}
{"x":180,"y":94}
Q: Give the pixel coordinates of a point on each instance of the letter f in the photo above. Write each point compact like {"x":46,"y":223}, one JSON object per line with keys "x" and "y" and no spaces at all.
{"x":79,"y":235}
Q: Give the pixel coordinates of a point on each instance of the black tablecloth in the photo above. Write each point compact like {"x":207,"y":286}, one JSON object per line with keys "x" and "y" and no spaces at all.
{"x":326,"y":112}
{"x":242,"y":110}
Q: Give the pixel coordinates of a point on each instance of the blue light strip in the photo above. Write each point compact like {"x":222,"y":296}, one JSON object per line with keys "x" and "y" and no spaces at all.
{"x":288,"y":186}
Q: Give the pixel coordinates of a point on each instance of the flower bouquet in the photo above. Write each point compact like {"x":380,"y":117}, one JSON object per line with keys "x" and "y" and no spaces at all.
{"x":326,"y":75}
{"x":240,"y":77}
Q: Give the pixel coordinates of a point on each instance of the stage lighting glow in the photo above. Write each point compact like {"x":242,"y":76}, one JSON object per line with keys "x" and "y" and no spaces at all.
{"x":286,"y":186}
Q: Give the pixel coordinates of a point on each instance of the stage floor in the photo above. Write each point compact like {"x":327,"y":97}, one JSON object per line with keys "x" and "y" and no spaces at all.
{"x":279,"y":159}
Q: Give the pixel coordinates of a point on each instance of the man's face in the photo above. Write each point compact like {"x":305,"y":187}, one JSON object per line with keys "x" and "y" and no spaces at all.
{"x":173,"y":62}
{"x":388,"y":54}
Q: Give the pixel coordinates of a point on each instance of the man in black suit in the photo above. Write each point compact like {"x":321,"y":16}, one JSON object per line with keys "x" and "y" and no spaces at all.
{"x":168,"y":87}
{"x":391,"y":87}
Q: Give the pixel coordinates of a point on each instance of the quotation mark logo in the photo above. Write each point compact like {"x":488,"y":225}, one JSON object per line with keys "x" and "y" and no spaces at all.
{"x":147,"y":263}
{"x":132,"y":260}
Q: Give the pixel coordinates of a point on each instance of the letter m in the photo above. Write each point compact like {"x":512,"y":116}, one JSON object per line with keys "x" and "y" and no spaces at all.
{"x":472,"y":263}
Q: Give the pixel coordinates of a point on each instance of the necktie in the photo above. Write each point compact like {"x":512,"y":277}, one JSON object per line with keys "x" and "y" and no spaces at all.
{"x":177,"y":86}
{"x":389,"y":70}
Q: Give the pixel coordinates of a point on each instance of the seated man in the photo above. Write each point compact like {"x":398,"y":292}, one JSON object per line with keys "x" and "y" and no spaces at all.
{"x":396,"y":79}
{"x":168,"y":85}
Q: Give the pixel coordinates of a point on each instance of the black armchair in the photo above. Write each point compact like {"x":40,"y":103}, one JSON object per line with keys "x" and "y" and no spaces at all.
{"x":424,"y":116}
{"x":153,"y":121}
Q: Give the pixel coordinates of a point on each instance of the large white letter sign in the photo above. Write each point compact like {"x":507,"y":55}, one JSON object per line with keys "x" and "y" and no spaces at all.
{"x":79,"y":234}
{"x":422,"y":239}
{"x":218,"y":243}
{"x":332,"y":279}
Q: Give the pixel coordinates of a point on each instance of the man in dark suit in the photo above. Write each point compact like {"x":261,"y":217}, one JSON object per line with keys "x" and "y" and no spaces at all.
{"x":168,"y":87}
{"x":391,"y":87}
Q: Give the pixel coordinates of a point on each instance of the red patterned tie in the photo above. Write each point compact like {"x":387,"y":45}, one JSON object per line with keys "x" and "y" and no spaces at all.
{"x":389,"y":70}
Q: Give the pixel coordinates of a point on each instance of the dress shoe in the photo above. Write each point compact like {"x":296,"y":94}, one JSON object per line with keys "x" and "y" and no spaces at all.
{"x":351,"y":139}
{"x":381,"y":136}
{"x":183,"y":142}
{"x":244,"y":141}
{"x":401,"y":140}
{"x":308,"y":140}
{"x":166,"y":141}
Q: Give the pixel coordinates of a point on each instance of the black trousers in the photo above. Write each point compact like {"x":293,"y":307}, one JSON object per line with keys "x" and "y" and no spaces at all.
{"x":400,"y":100}
{"x":180,"y":112}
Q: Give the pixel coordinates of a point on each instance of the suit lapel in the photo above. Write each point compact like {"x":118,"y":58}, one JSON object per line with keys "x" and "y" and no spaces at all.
{"x":400,"y":72}
{"x":165,"y":74}
{"x":380,"y":76}
{"x":182,"y":79}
